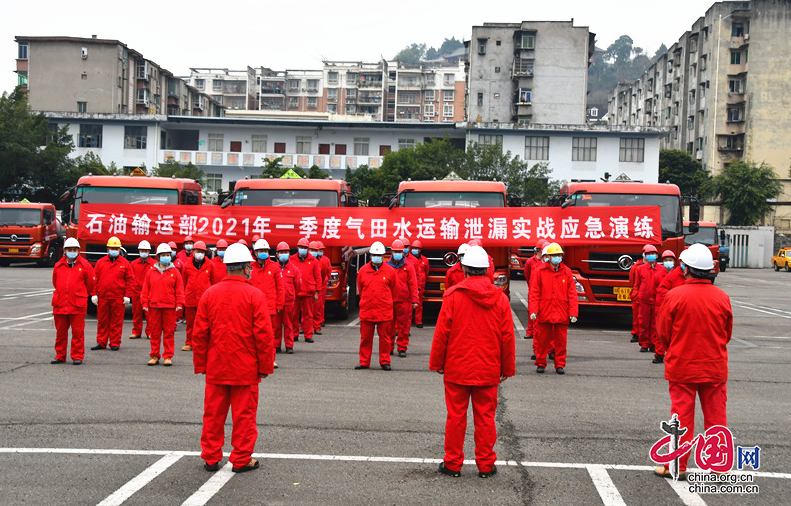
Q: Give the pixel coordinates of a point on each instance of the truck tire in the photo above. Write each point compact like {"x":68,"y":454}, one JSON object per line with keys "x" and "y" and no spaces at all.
{"x":788,"y":267}
{"x":4,"y":262}
{"x":51,"y":257}
{"x":775,"y":267}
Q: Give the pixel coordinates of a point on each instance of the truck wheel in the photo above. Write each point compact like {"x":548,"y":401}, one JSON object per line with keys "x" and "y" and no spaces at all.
{"x":342,"y":311}
{"x":51,"y":257}
{"x":723,"y":266}
{"x":4,"y":262}
{"x":775,"y":267}
{"x":788,"y":267}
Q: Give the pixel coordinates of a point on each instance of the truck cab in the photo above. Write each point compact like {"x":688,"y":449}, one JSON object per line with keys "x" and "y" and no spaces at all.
{"x":30,"y":231}
{"x":708,"y":234}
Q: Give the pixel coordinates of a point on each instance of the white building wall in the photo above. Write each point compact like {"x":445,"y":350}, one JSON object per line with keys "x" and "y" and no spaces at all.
{"x":112,"y":149}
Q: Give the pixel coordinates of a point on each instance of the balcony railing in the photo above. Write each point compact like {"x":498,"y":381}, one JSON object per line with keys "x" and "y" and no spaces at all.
{"x":253,"y":163}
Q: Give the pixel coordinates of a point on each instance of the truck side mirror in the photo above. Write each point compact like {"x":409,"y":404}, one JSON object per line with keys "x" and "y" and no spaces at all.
{"x":514,"y":200}
{"x":693,"y":227}
{"x":352,"y":201}
{"x":190,"y":198}
{"x":694,"y":210}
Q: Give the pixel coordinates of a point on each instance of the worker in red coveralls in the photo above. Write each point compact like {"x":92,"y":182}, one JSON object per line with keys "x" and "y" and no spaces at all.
{"x":219,"y":267}
{"x":140,"y":266}
{"x":456,"y":274}
{"x":633,"y":297}
{"x":673,"y":279}
{"x":404,"y":298}
{"x":528,"y":270}
{"x":310,"y":270}
{"x":490,"y":271}
{"x":292,"y":283}
{"x":553,"y":304}
{"x":268,"y":277}
{"x":199,"y":274}
{"x":668,"y":263}
{"x":162,"y":297}
{"x":645,"y":288}
{"x":326,"y":265}
{"x":473,"y":348}
{"x":544,"y":258}
{"x":233,"y":348}
{"x":73,"y":279}
{"x":184,"y":255}
{"x":113,"y":290}
{"x":376,"y":284}
{"x":695,"y":325}
{"x":315,"y":248}
{"x":175,"y":260}
{"x":420,"y":262}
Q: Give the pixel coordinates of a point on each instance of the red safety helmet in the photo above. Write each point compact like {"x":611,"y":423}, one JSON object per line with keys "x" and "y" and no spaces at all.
{"x":242,"y":241}
{"x":200,"y":245}
{"x":398,"y":245}
{"x":313,"y":245}
{"x":475,"y":242}
{"x":649,"y":248}
{"x":321,"y":244}
{"x":668,"y":253}
{"x":172,"y":245}
{"x":304,"y":242}
{"x":189,"y":239}
{"x":282,"y":246}
{"x":255,"y":238}
{"x":543,"y":243}
{"x":417,"y":244}
{"x":222,"y":243}
{"x":405,"y":241}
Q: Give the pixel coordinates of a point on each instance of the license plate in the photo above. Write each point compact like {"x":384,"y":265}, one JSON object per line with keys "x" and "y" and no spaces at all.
{"x":622,"y":293}
{"x":13,"y":250}
{"x":442,"y":286}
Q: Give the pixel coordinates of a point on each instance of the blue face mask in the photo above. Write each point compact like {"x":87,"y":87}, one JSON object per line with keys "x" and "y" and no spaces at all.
{"x":683,"y":268}
{"x":263,"y":255}
{"x":651,"y":257}
{"x":669,"y":264}
{"x":376,"y":260}
{"x":114,"y":253}
{"x":283,"y":257}
{"x":188,"y":247}
{"x":416,"y":252}
{"x":406,"y":250}
{"x":302,"y":252}
{"x":545,"y":259}
{"x":221,"y":254}
{"x":314,"y":254}
{"x":320,"y":254}
{"x":72,"y":256}
{"x":398,"y":257}
{"x":556,"y":260}
{"x":164,"y":260}
{"x":143,"y":256}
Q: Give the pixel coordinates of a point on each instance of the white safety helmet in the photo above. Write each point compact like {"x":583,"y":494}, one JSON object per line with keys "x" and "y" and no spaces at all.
{"x":377,"y":248}
{"x":260,"y":244}
{"x":71,"y":242}
{"x":697,"y":256}
{"x":144,"y":245}
{"x":164,"y":248}
{"x":476,"y":257}
{"x":237,"y":253}
{"x":544,"y":251}
{"x":463,"y":248}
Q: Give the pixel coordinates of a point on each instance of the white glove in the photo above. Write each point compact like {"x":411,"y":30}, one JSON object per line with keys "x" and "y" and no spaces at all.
{"x":95,"y":300}
{"x":127,"y":300}
{"x":533,"y":316}
{"x":573,"y":319}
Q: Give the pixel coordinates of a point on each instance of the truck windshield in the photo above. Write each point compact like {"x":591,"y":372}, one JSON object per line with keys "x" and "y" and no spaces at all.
{"x":286,"y":198}
{"x":669,"y":206}
{"x":704,"y":235}
{"x":451,"y":199}
{"x":120,"y":195}
{"x":20,"y":217}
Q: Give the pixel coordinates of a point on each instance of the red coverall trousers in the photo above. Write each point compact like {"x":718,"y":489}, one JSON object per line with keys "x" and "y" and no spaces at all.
{"x":419,"y":308}
{"x":189,"y":316}
{"x":318,"y":310}
{"x":400,"y":324}
{"x":635,"y":318}
{"x":367,"y":341}
{"x":110,"y":322}
{"x":77,"y":324}
{"x":551,"y":336}
{"x":285,"y":331}
{"x":276,"y":320}
{"x":162,"y":323}
{"x":713,"y":399}
{"x":304,"y":305}
{"x":647,"y":326}
{"x":484,"y":406}
{"x":138,"y":316}
{"x":243,"y":401}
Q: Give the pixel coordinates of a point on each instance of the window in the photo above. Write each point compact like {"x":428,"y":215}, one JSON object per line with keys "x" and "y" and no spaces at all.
{"x":583,"y":149}
{"x":303,"y":145}
{"x":22,"y":78}
{"x":351,"y":78}
{"x":703,"y":60}
{"x":735,"y":114}
{"x":430,"y":79}
{"x":737,"y":30}
{"x":428,"y":110}
{"x":430,"y":95}
{"x":332,"y":94}
{"x":490,"y":140}
{"x":525,"y":95}
{"x":332,"y":108}
{"x":481,"y":46}
{"x":406,"y":143}
{"x":332,"y":77}
{"x":293,"y":102}
{"x":280,"y":147}
{"x":496,"y":70}
{"x":90,"y":136}
{"x":23,"y":47}
{"x":736,"y":57}
{"x":449,"y":80}
{"x":480,"y":98}
{"x":632,"y":150}
{"x":340,"y":149}
{"x":259,"y":143}
{"x":216,"y":85}
{"x":351,"y":95}
{"x":200,"y":84}
{"x":215,"y":142}
{"x":447,"y":95}
{"x":82,"y":106}
{"x":536,"y":148}
{"x":499,"y":42}
{"x":528,"y":41}
{"x":324,"y":149}
{"x":735,"y":86}
{"x":143,"y":69}
{"x":313,"y":85}
{"x":361,"y":145}
{"x":313,"y":102}
{"x":293,"y":84}
{"x":213,"y":182}
{"x":447,"y":110}
{"x":135,"y":137}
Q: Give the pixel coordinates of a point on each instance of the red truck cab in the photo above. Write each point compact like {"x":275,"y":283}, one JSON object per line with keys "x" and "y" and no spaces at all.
{"x":29,"y":231}
{"x":708,"y":235}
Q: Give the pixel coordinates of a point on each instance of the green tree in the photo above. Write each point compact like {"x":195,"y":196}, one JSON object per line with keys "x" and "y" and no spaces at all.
{"x":450,"y":45}
{"x":316,"y":173}
{"x":745,"y":189}
{"x":620,"y":51}
{"x":414,"y":53}
{"x":172,"y":168}
{"x":683,"y":170}
{"x":273,"y":168}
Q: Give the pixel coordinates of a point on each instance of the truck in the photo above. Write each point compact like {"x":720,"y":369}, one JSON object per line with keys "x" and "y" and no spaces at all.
{"x":30,"y":231}
{"x":292,"y":192}
{"x":518,"y":256}
{"x":137,"y":188}
{"x":708,"y":234}
{"x":455,"y":193}
{"x":602,"y":272}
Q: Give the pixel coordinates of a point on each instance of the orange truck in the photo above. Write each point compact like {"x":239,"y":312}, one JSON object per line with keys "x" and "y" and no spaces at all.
{"x":602,"y":272}
{"x":293,"y":192}
{"x":134,"y":189}
{"x":455,"y":193}
{"x":29,"y":231}
{"x":708,"y":235}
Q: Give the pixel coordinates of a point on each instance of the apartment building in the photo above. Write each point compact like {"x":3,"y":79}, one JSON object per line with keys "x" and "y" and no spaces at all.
{"x":234,"y":89}
{"x":722,"y":92}
{"x":529,"y":72}
{"x":92,"y":75}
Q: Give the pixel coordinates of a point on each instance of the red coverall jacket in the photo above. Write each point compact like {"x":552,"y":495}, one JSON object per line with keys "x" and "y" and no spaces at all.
{"x":269,"y":279}
{"x":183,"y":258}
{"x":377,"y":289}
{"x":645,"y":282}
{"x":73,"y":286}
{"x":114,"y":278}
{"x":292,"y":282}
{"x":406,"y":282}
{"x":671,"y":280}
{"x":632,"y":274}
{"x":162,"y":289}
{"x":474,"y":338}
{"x":529,"y":264}
{"x":454,"y":275}
{"x":326,"y":270}
{"x":553,"y":295}
{"x":197,"y":280}
{"x":232,"y":336}
{"x":421,"y":269}
{"x":219,"y":268}
{"x":140,"y":269}
{"x":310,"y":269}
{"x":695,"y":325}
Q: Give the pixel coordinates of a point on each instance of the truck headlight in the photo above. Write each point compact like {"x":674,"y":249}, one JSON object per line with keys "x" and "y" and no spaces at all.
{"x":334,"y":281}
{"x":580,"y":288}
{"x":500,"y":281}
{"x":35,"y":249}
{"x":515,"y":261}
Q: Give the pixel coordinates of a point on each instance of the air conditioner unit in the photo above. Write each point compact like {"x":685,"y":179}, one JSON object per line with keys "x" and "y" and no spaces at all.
{"x":84,"y":53}
{"x":746,"y":36}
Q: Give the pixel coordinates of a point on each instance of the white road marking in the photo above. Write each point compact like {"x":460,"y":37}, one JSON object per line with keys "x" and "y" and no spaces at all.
{"x":141,"y":480}
{"x":687,"y":497}
{"x":780,"y":314}
{"x":746,"y":343}
{"x":520,"y":329}
{"x":29,"y":320}
{"x":521,"y":299}
{"x":211,"y":487}
{"x":605,"y":487}
{"x":353,"y":323}
{"x":37,"y":292}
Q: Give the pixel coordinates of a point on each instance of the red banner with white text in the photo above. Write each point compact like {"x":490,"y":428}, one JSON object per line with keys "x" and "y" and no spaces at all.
{"x":360,"y":226}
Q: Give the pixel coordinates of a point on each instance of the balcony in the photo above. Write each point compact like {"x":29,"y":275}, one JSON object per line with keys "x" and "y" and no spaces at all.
{"x":252,"y":163}
{"x":369,"y":97}
{"x":370,"y":81}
